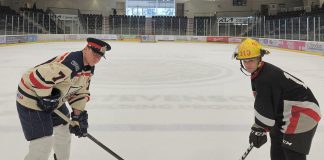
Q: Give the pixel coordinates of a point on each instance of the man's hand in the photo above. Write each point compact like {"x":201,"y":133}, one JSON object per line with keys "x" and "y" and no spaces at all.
{"x":258,"y":137}
{"x":49,"y":103}
{"x":81,"y":120}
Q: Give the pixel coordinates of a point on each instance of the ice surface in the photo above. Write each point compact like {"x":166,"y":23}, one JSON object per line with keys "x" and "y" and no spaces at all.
{"x":159,"y":101}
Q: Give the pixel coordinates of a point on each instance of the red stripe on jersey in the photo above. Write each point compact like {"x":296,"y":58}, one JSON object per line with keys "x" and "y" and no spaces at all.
{"x":25,"y":85}
{"x":63,"y":57}
{"x":36,"y":83}
{"x":313,"y":115}
{"x":293,"y":122}
{"x":83,"y":74}
{"x":88,"y":98}
{"x":296,"y":111}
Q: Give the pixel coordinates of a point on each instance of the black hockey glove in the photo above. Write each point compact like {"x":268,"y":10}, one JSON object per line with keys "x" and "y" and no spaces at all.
{"x":258,"y":137}
{"x":49,"y":103}
{"x":81,"y":120}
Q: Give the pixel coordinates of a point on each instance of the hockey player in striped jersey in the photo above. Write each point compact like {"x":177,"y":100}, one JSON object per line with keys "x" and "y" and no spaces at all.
{"x":284,"y":106}
{"x":46,"y":87}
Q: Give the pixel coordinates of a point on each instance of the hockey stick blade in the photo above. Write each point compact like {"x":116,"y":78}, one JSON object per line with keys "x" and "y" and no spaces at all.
{"x":88,"y":135}
{"x":247,"y":152}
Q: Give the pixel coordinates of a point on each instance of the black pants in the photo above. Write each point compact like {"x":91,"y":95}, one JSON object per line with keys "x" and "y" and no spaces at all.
{"x":37,"y":124}
{"x":280,"y":153}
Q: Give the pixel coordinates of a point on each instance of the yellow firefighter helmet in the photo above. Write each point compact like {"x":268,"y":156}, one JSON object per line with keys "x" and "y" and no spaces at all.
{"x":249,"y":48}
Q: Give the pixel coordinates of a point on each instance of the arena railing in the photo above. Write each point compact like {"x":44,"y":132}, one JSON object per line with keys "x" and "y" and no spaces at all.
{"x":308,"y":28}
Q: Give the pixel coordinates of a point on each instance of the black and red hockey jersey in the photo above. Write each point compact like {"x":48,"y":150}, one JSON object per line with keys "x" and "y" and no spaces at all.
{"x":283,"y":100}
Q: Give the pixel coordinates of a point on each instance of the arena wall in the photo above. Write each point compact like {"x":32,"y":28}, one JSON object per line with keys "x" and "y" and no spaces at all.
{"x":310,"y":47}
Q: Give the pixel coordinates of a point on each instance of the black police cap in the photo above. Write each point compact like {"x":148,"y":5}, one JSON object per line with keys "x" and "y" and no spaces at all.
{"x":98,"y":46}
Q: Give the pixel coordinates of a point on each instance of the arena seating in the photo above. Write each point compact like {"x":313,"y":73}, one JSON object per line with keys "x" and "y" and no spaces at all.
{"x":92,"y":23}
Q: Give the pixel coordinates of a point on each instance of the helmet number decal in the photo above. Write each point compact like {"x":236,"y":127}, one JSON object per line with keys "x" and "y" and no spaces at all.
{"x":245,"y":53}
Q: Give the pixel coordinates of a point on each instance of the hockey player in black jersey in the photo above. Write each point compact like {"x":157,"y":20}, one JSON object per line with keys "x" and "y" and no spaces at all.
{"x":284,"y":106}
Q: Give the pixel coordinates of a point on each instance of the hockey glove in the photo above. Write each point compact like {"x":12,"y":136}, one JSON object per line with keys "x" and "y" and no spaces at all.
{"x":49,"y":103}
{"x":258,"y":137}
{"x":81,"y":120}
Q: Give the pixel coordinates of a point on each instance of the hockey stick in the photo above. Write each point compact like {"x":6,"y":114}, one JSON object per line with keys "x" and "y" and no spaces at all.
{"x":88,"y":135}
{"x":247,"y":152}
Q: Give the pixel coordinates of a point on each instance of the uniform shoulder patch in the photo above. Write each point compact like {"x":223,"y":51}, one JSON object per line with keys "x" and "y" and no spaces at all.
{"x":76,"y":65}
{"x":74,"y":61}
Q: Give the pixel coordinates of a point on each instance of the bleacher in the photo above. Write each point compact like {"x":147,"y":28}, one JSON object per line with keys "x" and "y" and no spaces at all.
{"x":92,"y":23}
{"x":27,"y":21}
{"x":9,"y":20}
{"x":46,"y":19}
{"x":169,"y":25}
{"x":202,"y":25}
{"x":295,"y":22}
{"x":122,"y":24}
